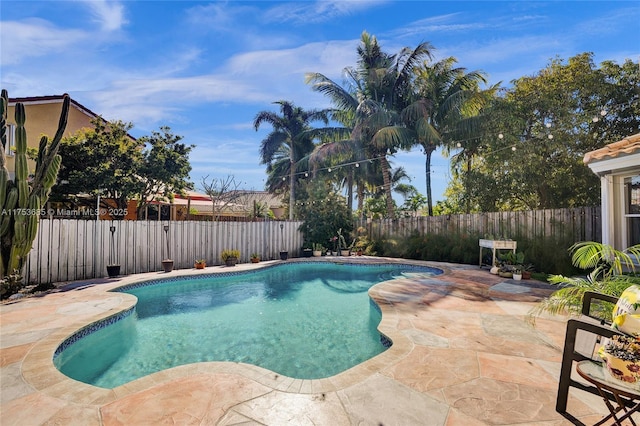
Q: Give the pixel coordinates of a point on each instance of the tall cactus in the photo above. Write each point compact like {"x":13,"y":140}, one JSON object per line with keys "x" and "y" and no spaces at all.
{"x":22,"y":199}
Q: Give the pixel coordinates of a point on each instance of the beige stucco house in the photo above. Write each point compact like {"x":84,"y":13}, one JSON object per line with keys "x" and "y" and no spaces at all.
{"x":42,"y":114}
{"x":618,"y":166}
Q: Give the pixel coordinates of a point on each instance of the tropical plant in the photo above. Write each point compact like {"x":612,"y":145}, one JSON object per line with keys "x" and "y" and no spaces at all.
{"x":379,"y":88}
{"x":448,"y":100}
{"x":286,"y":144}
{"x":23,"y":198}
{"x":322,"y":216}
{"x":229,"y":253}
{"x":612,"y":271}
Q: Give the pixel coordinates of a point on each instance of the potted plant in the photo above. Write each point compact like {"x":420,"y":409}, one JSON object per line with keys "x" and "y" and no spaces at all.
{"x":526,"y":271}
{"x":334,"y":241}
{"x":318,"y":249}
{"x":230,"y":257}
{"x":284,"y":254}
{"x":307,"y":252}
{"x":255,"y":258}
{"x":517,"y":273}
{"x":360,"y":242}
{"x":342,"y":244}
{"x":200,"y":263}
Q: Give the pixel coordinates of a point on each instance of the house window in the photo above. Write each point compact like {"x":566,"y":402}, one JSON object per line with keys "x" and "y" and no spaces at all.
{"x":632,"y":214}
{"x":10,"y":147}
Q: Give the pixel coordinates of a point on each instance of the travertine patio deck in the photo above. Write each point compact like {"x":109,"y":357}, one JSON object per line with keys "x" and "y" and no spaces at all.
{"x":462,"y":354}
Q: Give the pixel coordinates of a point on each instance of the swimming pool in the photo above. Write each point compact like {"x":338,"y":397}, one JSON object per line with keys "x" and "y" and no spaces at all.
{"x":305,"y":320}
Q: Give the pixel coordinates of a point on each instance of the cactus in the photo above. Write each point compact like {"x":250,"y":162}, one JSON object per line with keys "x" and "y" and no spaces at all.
{"x":21,"y":199}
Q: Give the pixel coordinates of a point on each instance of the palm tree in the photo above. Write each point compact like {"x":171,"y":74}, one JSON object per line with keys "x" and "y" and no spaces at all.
{"x":289,"y":136}
{"x":386,"y":82}
{"x":379,"y":87}
{"x":446,"y":108}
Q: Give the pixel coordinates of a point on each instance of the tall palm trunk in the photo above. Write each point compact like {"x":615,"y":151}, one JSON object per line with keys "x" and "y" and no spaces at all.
{"x":350,"y":190}
{"x":386,"y":179}
{"x":292,"y":186}
{"x":427,"y":153}
{"x":360,"y":190}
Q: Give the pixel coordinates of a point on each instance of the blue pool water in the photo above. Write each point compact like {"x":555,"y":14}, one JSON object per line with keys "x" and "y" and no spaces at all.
{"x":303,"y":320}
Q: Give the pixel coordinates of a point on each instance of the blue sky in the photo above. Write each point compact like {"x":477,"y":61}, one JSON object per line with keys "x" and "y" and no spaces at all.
{"x":205,"y":69}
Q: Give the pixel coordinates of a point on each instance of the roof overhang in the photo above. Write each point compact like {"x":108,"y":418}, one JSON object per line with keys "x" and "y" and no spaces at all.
{"x":618,"y":157}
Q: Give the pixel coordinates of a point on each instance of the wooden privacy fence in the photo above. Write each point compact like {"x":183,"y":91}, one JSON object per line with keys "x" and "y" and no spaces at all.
{"x":575,"y":224}
{"x":70,"y":249}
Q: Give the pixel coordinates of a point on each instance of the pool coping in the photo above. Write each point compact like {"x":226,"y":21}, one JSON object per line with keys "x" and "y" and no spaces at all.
{"x":40,"y":372}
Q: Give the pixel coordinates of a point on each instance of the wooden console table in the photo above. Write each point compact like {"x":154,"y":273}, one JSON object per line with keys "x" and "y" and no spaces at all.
{"x":496,"y":245}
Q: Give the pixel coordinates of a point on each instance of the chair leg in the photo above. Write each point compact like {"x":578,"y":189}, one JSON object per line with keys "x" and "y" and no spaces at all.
{"x":566,"y":367}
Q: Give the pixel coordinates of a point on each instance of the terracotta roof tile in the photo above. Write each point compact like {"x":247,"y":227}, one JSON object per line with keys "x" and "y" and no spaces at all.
{"x":628,"y":145}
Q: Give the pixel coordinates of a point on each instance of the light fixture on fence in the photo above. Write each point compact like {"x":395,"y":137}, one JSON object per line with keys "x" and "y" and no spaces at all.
{"x":167,"y":263}
{"x":113,"y":268}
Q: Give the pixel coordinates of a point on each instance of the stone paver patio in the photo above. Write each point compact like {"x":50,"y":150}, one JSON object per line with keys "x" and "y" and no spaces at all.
{"x":463,"y":354}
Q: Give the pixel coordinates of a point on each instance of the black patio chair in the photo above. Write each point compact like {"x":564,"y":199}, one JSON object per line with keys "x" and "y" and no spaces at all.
{"x":580,"y":344}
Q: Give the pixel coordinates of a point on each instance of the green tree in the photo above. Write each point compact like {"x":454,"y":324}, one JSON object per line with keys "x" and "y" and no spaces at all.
{"x":107,"y":161}
{"x":100,"y":161}
{"x":385,"y":86}
{"x":537,"y":132}
{"x":324,"y":214}
{"x":164,"y":167}
{"x":286,"y":144}
{"x":448,"y":103}
{"x":378,"y":88}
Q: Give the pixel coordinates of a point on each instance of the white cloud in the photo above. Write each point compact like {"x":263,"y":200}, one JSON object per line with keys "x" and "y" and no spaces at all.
{"x":110,"y":15}
{"x":258,"y":78}
{"x":34,"y":37}
{"x":317,"y":11}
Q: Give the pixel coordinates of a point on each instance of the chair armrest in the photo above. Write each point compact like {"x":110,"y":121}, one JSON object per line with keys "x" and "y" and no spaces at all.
{"x":573,"y":325}
{"x":591,"y":295}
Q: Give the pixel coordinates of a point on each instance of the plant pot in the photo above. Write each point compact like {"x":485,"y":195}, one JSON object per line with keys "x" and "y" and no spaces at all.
{"x":284,"y":255}
{"x":113,"y":270}
{"x":255,"y":260}
{"x":334,"y":253}
{"x":505,"y":274}
{"x":167,"y":265}
{"x":517,"y":277}
{"x":317,"y":253}
{"x":200,"y":265}
{"x":359,"y":253}
{"x":494,"y":270}
{"x":526,"y":275}
{"x":345,"y":252}
{"x":307,"y":252}
{"x":231,"y":261}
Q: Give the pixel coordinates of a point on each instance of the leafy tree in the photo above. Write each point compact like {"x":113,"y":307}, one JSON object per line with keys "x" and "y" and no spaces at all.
{"x":287,"y":143}
{"x":107,"y":161}
{"x":102,"y":160}
{"x":164,"y":167}
{"x":324,"y":214}
{"x":537,"y":132}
